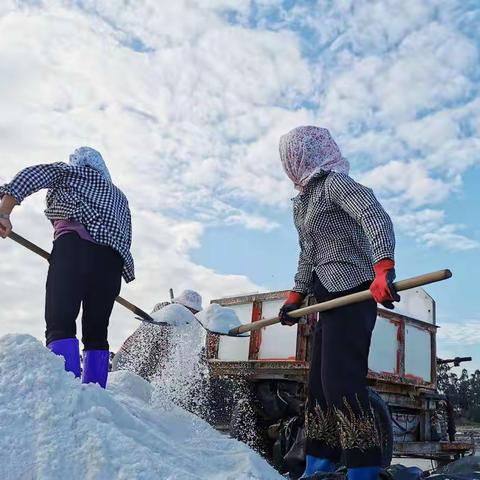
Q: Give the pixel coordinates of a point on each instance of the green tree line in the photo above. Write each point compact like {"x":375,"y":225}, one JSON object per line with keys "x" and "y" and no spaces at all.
{"x":462,"y":390}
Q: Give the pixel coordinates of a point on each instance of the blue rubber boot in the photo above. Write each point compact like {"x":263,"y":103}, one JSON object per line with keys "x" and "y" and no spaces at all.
{"x":95,"y":367}
{"x":364,"y":473}
{"x":317,"y":465}
{"x":69,"y":350}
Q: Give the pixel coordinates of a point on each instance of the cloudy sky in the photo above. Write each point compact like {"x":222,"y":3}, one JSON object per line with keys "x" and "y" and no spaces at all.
{"x":187,"y":99}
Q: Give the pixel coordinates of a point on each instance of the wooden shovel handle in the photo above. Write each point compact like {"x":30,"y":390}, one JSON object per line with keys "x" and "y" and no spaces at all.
{"x":42,"y":253}
{"x":346,"y":300}
{"x":28,"y":244}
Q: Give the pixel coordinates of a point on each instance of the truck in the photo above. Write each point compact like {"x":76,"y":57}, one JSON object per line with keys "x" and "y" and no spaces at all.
{"x":258,"y":383}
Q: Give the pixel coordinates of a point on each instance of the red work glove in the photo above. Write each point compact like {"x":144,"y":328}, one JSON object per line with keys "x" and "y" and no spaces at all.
{"x":382,"y":286}
{"x":293,"y":301}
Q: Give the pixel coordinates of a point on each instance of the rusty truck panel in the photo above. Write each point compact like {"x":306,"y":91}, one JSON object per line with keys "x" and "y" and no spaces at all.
{"x":402,"y":352}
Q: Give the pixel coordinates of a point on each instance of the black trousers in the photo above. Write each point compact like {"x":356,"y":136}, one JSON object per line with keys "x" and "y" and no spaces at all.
{"x":81,"y":273}
{"x":339,"y":417}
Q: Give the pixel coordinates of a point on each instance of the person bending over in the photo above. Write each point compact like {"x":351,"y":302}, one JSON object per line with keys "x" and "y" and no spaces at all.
{"x":91,"y":252}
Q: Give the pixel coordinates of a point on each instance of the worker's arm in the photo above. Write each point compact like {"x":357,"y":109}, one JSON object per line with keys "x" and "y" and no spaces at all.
{"x":27,"y":181}
{"x":303,"y":276}
{"x":32,"y":179}
{"x":303,"y":281}
{"x":361,"y":204}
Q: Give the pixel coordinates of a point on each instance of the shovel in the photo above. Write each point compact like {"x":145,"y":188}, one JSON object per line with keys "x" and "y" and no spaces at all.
{"x":140,"y":314}
{"x":407,"y":284}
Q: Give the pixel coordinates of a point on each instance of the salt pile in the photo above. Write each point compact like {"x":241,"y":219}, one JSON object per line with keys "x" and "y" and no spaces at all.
{"x":174,"y":314}
{"x":219,"y":319}
{"x":52,"y":427}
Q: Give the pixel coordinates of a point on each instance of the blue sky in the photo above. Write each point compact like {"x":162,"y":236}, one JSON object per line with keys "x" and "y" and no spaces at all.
{"x":187,"y":100}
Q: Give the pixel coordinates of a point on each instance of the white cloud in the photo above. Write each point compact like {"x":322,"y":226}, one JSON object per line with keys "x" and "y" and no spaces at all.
{"x":465,"y":333}
{"x":253,"y":222}
{"x":446,"y":236}
{"x":409,"y":182}
{"x":429,"y":133}
{"x":428,"y":227}
{"x":431,"y":68}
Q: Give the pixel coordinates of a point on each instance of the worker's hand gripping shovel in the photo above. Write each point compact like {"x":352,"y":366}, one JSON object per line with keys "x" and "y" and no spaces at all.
{"x":346,"y":300}
{"x":140,"y":314}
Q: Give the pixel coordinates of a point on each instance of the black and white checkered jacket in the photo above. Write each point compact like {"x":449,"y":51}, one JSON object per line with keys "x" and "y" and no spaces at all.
{"x":343,"y":230}
{"x":84,"y":195}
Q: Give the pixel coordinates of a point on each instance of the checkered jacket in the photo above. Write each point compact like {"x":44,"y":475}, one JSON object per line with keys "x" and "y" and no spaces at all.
{"x":343,"y":230}
{"x":84,"y":195}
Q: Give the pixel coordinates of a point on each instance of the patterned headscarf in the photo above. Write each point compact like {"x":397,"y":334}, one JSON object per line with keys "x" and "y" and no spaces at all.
{"x":88,"y":157}
{"x":307,"y":151}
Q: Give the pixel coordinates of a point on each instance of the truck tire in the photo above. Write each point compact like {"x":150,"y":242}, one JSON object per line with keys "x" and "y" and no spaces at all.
{"x":383,"y":421}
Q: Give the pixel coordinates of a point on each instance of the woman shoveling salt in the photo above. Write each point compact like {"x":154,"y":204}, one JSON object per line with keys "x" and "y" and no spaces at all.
{"x":91,"y":253}
{"x":346,"y":245}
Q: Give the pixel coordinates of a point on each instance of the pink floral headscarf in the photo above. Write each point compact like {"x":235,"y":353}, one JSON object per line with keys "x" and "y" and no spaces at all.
{"x":307,"y":151}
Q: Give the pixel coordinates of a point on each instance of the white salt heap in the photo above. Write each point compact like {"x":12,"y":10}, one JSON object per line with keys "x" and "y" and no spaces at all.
{"x":219,"y":319}
{"x":174,"y":314}
{"x":53,"y":427}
